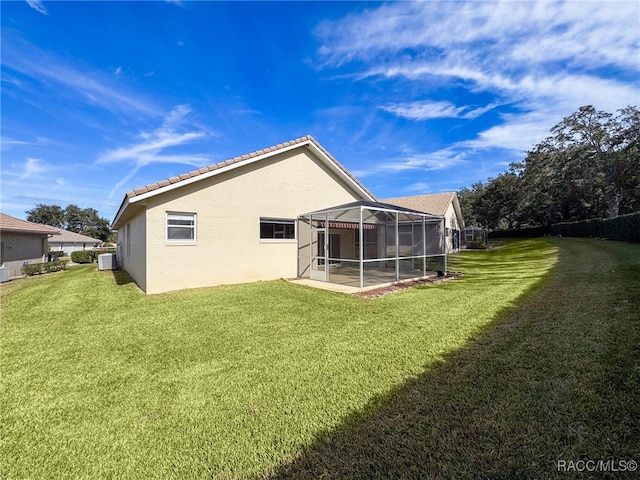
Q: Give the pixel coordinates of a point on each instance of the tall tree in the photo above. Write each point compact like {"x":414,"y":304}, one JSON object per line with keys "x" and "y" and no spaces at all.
{"x":470,"y":199}
{"x":73,"y":218}
{"x":624,"y":168}
{"x":95,"y":226}
{"x":501,"y":201}
{"x":599,"y":147}
{"x":52,"y":215}
{"x":588,"y":167}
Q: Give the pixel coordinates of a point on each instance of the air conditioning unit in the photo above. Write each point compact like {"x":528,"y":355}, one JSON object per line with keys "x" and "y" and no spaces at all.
{"x":107,"y":261}
{"x":4,"y":274}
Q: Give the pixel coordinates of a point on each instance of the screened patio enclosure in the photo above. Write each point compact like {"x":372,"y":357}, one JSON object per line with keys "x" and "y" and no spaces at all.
{"x":363,"y":244}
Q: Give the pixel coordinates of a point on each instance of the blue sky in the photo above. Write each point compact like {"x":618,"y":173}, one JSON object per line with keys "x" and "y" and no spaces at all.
{"x":99,"y":98}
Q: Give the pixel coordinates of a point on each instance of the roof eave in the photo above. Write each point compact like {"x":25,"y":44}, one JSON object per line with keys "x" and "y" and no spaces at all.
{"x":123,"y":207}
{"x":34,"y":231}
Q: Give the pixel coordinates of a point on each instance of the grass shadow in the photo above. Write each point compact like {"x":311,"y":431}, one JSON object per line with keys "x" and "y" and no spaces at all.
{"x":527,"y":393}
{"x":121,"y":277}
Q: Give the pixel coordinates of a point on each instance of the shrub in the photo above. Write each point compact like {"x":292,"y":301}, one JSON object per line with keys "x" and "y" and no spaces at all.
{"x":31,"y":269}
{"x":55,"y":266}
{"x":82,"y":256}
{"x":625,"y":228}
{"x":56,"y":253}
{"x":584,"y":228}
{"x":478,"y":243}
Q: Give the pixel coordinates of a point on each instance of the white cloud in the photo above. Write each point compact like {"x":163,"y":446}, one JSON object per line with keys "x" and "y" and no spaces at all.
{"x":517,"y":132}
{"x":151,"y":149}
{"x":426,"y":110}
{"x":545,"y":59}
{"x":6,"y":143}
{"x":92,"y":87}
{"x":437,"y":160}
{"x":561,"y":90}
{"x":148,"y":151}
{"x":410,"y":161}
{"x":33,"y":167}
{"x":586,"y":32}
{"x":421,"y":187}
{"x":423,"y":110}
{"x":37,"y":5}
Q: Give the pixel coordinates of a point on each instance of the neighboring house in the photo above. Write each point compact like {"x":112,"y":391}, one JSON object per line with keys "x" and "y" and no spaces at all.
{"x":69,"y":242}
{"x":22,"y":241}
{"x":247,"y":219}
{"x":445,"y":204}
{"x":471,"y":234}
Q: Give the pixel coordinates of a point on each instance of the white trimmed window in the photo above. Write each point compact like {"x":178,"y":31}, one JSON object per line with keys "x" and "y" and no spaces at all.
{"x":273,"y":228}
{"x":181,"y":227}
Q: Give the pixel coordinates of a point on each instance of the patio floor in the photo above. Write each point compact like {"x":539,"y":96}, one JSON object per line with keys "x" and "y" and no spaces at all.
{"x":346,"y":278}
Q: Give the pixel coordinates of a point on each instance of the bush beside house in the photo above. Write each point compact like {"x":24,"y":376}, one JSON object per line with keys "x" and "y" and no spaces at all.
{"x":82,"y":256}
{"x":89,"y":256}
{"x":31,"y":269}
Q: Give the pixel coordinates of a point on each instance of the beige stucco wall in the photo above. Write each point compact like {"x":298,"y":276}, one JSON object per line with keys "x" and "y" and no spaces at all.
{"x":134,"y":261}
{"x":451,"y":222}
{"x":229,"y":206}
{"x":18,"y":248}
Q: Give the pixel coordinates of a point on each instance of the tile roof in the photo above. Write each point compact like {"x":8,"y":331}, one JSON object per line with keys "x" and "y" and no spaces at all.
{"x":436,"y":203}
{"x":194,"y":173}
{"x":12,"y":224}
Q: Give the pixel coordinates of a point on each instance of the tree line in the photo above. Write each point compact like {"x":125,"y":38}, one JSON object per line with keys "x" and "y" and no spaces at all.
{"x":86,"y":221}
{"x":589,"y":167}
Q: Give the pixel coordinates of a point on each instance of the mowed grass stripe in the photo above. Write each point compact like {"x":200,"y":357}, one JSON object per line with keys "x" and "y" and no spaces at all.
{"x":99,"y":380}
{"x":556,"y":379}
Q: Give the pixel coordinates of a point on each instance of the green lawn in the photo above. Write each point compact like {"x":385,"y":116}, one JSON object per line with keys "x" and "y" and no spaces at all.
{"x":530,"y":357}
